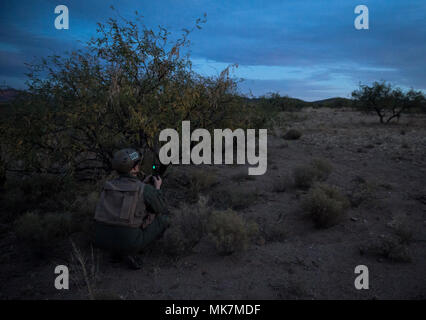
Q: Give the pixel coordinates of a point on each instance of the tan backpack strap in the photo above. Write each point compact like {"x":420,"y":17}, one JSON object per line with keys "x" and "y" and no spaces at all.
{"x":128,"y":208}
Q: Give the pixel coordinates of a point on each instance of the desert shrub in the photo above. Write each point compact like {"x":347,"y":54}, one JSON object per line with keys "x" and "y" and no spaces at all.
{"x":187,"y":227}
{"x":292,"y":134}
{"x":42,"y":231}
{"x":325,"y":205}
{"x":228,"y":197}
{"x":230,"y":232}
{"x":200,"y":181}
{"x":305,"y":175}
{"x":387,"y":247}
{"x":387,"y":102}
{"x":125,"y":85}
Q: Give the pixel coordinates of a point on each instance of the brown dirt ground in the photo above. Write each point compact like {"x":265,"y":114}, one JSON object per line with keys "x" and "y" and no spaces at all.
{"x":308,"y":263}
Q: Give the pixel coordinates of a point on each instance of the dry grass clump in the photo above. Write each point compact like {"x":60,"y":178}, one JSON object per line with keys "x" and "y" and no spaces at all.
{"x":228,"y":197}
{"x":200,"y":182}
{"x":230,"y":232}
{"x":187,"y":227}
{"x":325,"y":205}
{"x":388,"y":247}
{"x":306,"y":175}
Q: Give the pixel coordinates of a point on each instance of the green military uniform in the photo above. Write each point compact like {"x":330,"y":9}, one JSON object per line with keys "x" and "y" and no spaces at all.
{"x":130,"y":240}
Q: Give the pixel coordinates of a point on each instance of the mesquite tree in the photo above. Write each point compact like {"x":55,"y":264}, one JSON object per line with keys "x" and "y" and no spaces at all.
{"x":387,"y":102}
{"x":121,"y":90}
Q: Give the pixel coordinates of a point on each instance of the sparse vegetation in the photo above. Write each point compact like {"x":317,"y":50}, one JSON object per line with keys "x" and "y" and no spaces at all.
{"x":41,"y":232}
{"x":388,"y":247}
{"x":200,"y":182}
{"x":227,"y":197}
{"x":325,"y":205}
{"x":187,"y":227}
{"x":306,"y":175}
{"x":86,"y":270}
{"x":230,"y":232}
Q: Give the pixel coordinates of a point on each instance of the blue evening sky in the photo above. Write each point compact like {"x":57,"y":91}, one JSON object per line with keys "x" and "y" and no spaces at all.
{"x":306,"y":49}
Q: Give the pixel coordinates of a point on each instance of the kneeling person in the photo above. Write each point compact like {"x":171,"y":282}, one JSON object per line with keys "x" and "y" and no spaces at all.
{"x":130,"y":214}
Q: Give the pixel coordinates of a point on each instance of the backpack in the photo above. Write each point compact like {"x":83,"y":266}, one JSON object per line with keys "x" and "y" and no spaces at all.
{"x":121,"y":203}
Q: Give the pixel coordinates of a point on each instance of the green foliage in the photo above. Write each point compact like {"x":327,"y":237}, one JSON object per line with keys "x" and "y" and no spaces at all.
{"x":187,"y":227}
{"x":306,"y":175}
{"x":325,"y":205}
{"x":385,"y":101}
{"x":128,"y":84}
{"x":230,"y":232}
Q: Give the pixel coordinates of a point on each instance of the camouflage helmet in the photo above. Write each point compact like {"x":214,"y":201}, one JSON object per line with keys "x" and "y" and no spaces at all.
{"x":125,"y":159}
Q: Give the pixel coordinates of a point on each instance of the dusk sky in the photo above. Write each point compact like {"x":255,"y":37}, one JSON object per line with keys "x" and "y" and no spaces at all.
{"x":307,"y":49}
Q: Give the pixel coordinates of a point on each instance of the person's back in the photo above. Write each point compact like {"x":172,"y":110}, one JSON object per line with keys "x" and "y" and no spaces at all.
{"x":130,"y":214}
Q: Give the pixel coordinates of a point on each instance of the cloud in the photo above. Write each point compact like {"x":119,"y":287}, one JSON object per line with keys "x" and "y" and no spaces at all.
{"x":312,"y":44}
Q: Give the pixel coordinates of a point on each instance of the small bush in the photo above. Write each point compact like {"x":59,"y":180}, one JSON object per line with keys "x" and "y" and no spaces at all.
{"x":325,"y":205}
{"x":388,"y":247}
{"x":187,"y":227}
{"x":306,"y":175}
{"x":230,"y":232}
{"x":200,"y":182}
{"x":42,"y":231}
{"x":292,"y":134}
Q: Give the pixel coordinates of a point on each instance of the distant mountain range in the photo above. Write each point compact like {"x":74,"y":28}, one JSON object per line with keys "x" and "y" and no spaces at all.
{"x":8,"y":94}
